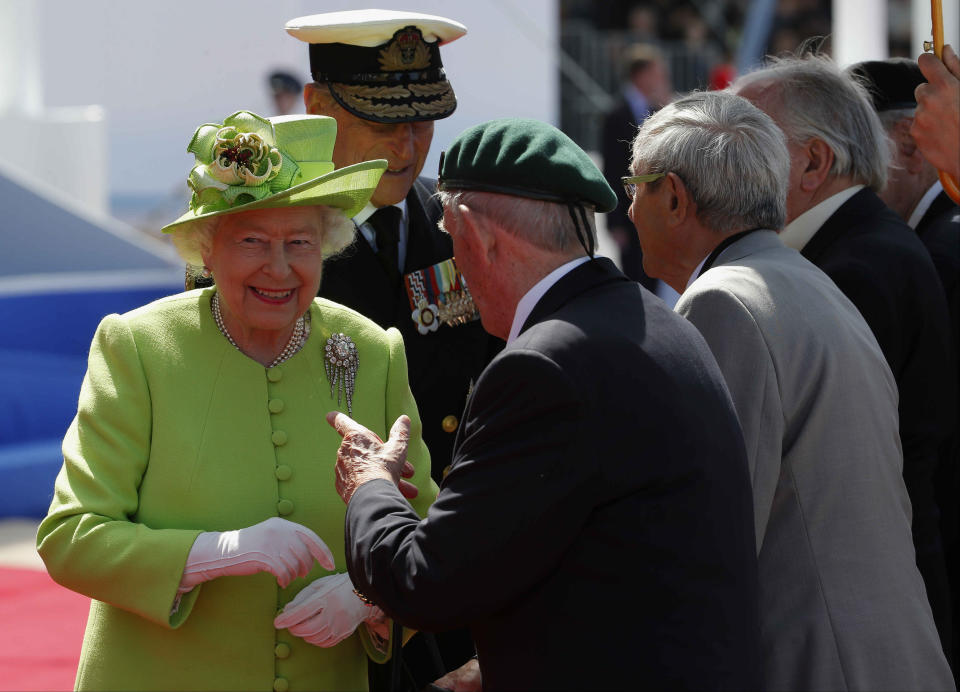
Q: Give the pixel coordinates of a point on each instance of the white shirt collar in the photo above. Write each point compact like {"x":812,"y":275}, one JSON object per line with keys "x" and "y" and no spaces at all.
{"x":696,"y":272}
{"x":361,"y":216}
{"x":924,"y":204}
{"x":799,"y":231}
{"x":360,"y":221}
{"x":533,"y":296}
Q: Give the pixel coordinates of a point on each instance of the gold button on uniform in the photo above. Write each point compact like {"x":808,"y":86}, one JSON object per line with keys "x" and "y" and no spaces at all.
{"x":450,"y":423}
{"x":281,"y":650}
{"x":283,"y":472}
{"x":281,"y":685}
{"x":275,"y":405}
{"x":285,"y":507}
{"x":274,"y":374}
{"x":279,"y":438}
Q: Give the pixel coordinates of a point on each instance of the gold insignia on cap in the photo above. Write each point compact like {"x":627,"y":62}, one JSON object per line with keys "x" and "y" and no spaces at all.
{"x":368,"y":106}
{"x":374,"y":92}
{"x":406,"y":51}
{"x":429,"y":89}
{"x":440,"y":105}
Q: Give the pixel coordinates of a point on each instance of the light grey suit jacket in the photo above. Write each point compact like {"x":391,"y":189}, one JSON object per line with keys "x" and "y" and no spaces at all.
{"x":842,"y":605}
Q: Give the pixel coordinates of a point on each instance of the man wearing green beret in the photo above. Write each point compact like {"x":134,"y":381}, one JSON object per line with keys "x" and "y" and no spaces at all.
{"x":379,"y":73}
{"x":599,"y":477}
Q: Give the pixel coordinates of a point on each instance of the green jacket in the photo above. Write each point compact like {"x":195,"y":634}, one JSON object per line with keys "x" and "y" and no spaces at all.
{"x":176,"y":433}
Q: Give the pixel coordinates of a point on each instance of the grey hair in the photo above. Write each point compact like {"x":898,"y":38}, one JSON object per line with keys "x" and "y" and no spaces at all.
{"x":819,"y":100}
{"x":731,"y":156}
{"x":195,"y":239}
{"x":546,"y":225}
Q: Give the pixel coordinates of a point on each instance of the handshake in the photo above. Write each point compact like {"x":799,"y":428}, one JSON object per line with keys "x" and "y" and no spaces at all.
{"x":324,"y":613}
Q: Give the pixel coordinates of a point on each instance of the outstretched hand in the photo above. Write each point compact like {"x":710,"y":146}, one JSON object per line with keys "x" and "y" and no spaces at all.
{"x":363,"y":456}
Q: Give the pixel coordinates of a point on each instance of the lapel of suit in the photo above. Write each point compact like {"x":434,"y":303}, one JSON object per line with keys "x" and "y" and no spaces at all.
{"x":864,"y":203}
{"x":587,"y":276}
{"x":941,"y":205}
{"x":424,"y":246}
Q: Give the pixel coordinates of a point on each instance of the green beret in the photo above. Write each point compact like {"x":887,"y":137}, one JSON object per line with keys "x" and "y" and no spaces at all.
{"x":526,"y":158}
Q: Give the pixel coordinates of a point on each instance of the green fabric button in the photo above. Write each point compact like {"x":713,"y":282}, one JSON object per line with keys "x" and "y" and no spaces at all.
{"x":279,"y":438}
{"x":282,"y":650}
{"x":275,"y":405}
{"x":285,"y":507}
{"x":274,"y":374}
{"x":281,"y":685}
{"x":283,"y":472}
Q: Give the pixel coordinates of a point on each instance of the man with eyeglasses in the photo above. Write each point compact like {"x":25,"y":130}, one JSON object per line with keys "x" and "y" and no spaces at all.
{"x":842,"y":604}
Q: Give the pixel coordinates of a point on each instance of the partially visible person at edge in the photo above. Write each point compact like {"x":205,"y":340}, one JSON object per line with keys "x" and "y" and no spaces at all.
{"x":285,"y":91}
{"x":915,"y":192}
{"x":194,"y":497}
{"x":936,"y":126}
{"x":379,"y":73}
{"x":647,"y":88}
{"x":839,"y":157}
{"x":842,"y":604}
{"x":599,"y":480}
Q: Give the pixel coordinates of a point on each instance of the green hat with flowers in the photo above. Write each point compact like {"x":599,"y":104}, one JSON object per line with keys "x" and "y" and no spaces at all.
{"x":249,"y":162}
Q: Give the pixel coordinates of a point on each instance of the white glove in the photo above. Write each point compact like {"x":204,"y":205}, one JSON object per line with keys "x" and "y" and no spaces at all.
{"x":283,"y":548}
{"x":326,"y":611}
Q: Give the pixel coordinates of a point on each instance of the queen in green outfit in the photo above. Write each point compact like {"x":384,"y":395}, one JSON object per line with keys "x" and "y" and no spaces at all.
{"x":196,"y":504}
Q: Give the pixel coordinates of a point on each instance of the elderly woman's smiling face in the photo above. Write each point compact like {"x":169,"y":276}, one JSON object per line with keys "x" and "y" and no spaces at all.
{"x":267,"y":265}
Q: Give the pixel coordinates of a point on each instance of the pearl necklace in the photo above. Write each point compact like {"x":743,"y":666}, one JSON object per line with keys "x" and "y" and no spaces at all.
{"x":301,"y":330}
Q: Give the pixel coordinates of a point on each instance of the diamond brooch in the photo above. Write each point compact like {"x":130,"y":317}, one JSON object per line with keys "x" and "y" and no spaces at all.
{"x":341,"y":367}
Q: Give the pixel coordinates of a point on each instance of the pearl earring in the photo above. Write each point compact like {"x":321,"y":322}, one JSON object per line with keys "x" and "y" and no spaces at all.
{"x":205,"y":273}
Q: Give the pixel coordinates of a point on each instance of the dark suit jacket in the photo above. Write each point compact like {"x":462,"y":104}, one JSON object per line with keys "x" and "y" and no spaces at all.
{"x":441,"y":364}
{"x":596,"y":529}
{"x":619,"y":129}
{"x":883,"y":268}
{"x":939,"y":229}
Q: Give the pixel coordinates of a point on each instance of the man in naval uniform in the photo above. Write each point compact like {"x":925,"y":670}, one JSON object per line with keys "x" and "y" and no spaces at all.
{"x":379,"y":73}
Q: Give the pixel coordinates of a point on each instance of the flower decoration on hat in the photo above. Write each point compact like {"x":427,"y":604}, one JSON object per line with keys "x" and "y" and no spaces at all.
{"x":237,"y":162}
{"x":243,"y":158}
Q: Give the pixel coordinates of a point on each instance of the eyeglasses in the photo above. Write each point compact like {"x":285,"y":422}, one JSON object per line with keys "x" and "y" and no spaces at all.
{"x":630,"y":181}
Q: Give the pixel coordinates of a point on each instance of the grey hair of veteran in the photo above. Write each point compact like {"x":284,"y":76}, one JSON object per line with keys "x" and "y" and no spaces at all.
{"x":730,"y":155}
{"x":196,"y":239}
{"x":546,"y":225}
{"x":819,"y":100}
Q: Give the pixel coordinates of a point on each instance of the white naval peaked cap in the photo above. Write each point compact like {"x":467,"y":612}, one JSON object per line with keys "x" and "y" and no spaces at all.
{"x":369,"y":28}
{"x":381,"y":65}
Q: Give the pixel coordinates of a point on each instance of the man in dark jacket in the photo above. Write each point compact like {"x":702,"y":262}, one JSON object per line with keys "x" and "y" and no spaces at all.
{"x":599,"y":478}
{"x":379,"y":73}
{"x":915,"y":193}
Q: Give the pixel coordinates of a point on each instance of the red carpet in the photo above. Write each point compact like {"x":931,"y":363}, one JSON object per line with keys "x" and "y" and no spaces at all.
{"x":41,"y":629}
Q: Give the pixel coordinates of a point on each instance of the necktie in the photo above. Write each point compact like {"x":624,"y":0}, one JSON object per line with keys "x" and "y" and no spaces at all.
{"x":386,"y":224}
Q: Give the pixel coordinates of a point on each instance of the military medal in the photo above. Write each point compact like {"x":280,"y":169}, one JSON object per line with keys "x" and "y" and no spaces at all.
{"x":439,"y":294}
{"x":341,"y":367}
